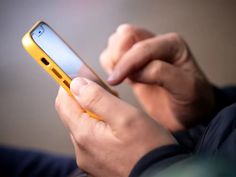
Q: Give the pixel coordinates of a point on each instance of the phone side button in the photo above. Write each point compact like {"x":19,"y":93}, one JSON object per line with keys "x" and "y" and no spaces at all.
{"x":56,"y":73}
{"x":66,"y":83}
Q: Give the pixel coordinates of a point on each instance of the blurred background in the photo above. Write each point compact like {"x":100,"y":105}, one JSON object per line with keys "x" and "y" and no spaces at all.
{"x":27,"y":93}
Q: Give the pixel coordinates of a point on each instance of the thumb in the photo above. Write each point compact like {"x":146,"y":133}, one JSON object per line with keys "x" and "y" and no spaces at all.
{"x":94,"y":98}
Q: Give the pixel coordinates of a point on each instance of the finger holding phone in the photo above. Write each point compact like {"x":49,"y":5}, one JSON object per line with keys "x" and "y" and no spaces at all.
{"x":113,"y":146}
{"x":57,"y":58}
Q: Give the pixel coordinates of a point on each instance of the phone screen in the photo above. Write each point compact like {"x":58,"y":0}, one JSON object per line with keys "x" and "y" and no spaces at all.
{"x":61,"y":54}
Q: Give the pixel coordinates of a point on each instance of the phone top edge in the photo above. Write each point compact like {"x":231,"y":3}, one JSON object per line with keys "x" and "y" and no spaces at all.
{"x":36,"y":52}
{"x":28,"y":43}
{"x":35,"y":26}
{"x":27,"y":36}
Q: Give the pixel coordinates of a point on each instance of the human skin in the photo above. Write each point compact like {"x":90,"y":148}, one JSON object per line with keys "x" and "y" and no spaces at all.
{"x":167,"y":82}
{"x":113,"y":146}
{"x":163,"y":74}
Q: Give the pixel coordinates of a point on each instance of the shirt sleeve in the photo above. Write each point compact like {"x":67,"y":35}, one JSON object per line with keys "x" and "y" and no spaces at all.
{"x":159,"y":158}
{"x":223,"y":97}
{"x":217,"y":141}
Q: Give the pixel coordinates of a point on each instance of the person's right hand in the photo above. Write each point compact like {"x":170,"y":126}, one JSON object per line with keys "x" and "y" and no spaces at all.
{"x":163,"y":74}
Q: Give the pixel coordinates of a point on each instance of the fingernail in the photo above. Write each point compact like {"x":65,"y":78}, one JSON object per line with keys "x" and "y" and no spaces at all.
{"x":111,"y":79}
{"x":76,"y":85}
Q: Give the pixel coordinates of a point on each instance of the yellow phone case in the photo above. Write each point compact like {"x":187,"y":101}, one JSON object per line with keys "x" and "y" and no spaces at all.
{"x":50,"y":66}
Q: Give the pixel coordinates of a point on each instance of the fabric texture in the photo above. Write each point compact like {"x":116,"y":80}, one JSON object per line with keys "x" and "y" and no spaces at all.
{"x":213,"y":140}
{"x":208,"y":149}
{"x":15,"y":162}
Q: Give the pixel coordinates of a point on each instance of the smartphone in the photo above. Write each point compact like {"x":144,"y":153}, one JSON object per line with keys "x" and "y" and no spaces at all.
{"x":56,"y":57}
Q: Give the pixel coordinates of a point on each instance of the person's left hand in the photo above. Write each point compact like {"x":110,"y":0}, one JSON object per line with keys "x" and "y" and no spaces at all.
{"x":110,"y":147}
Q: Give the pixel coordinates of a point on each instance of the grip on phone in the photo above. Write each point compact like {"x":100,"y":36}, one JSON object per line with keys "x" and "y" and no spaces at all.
{"x":93,"y":115}
{"x":41,"y":33}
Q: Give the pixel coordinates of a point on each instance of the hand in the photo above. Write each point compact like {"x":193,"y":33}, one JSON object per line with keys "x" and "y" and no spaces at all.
{"x":163,"y":74}
{"x":110,"y":147}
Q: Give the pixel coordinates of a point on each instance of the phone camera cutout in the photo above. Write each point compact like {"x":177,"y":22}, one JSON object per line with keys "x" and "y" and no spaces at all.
{"x":45,"y":61}
{"x":39,"y":31}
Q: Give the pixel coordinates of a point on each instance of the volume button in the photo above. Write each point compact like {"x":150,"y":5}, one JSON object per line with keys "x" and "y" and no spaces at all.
{"x":56,"y":73}
{"x":66,"y":83}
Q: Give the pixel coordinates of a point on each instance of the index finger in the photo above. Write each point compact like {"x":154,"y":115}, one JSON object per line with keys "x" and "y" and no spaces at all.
{"x":120,"y":42}
{"x":163,"y":47}
{"x":67,"y":108}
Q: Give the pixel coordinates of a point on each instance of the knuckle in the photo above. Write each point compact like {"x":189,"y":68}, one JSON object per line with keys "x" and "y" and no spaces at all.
{"x":131,"y":123}
{"x":144,"y":45}
{"x":103,"y":59}
{"x":177,"y":38}
{"x":126,"y":29}
{"x":130,"y":119}
{"x":93,"y":96}
{"x":179,"y":46}
{"x":81,"y":139}
{"x":62,"y":113}
{"x":158,"y":69}
{"x":111,"y":39}
{"x":60,"y":108}
{"x":174,"y":36}
{"x":107,"y":65}
{"x":126,"y":35}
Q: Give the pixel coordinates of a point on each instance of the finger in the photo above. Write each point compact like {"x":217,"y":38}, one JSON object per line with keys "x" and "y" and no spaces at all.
{"x":73,"y":116}
{"x":138,"y":33}
{"x":121,"y":41}
{"x":94,"y":98}
{"x":80,"y":154}
{"x":67,"y":108}
{"x":162,"y":74}
{"x":163,"y":47}
{"x":84,"y":159}
{"x":118,"y":44}
{"x":126,"y":36}
{"x":106,"y":61}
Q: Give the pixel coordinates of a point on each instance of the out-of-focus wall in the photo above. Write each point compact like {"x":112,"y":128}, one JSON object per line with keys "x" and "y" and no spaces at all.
{"x":27,"y":93}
